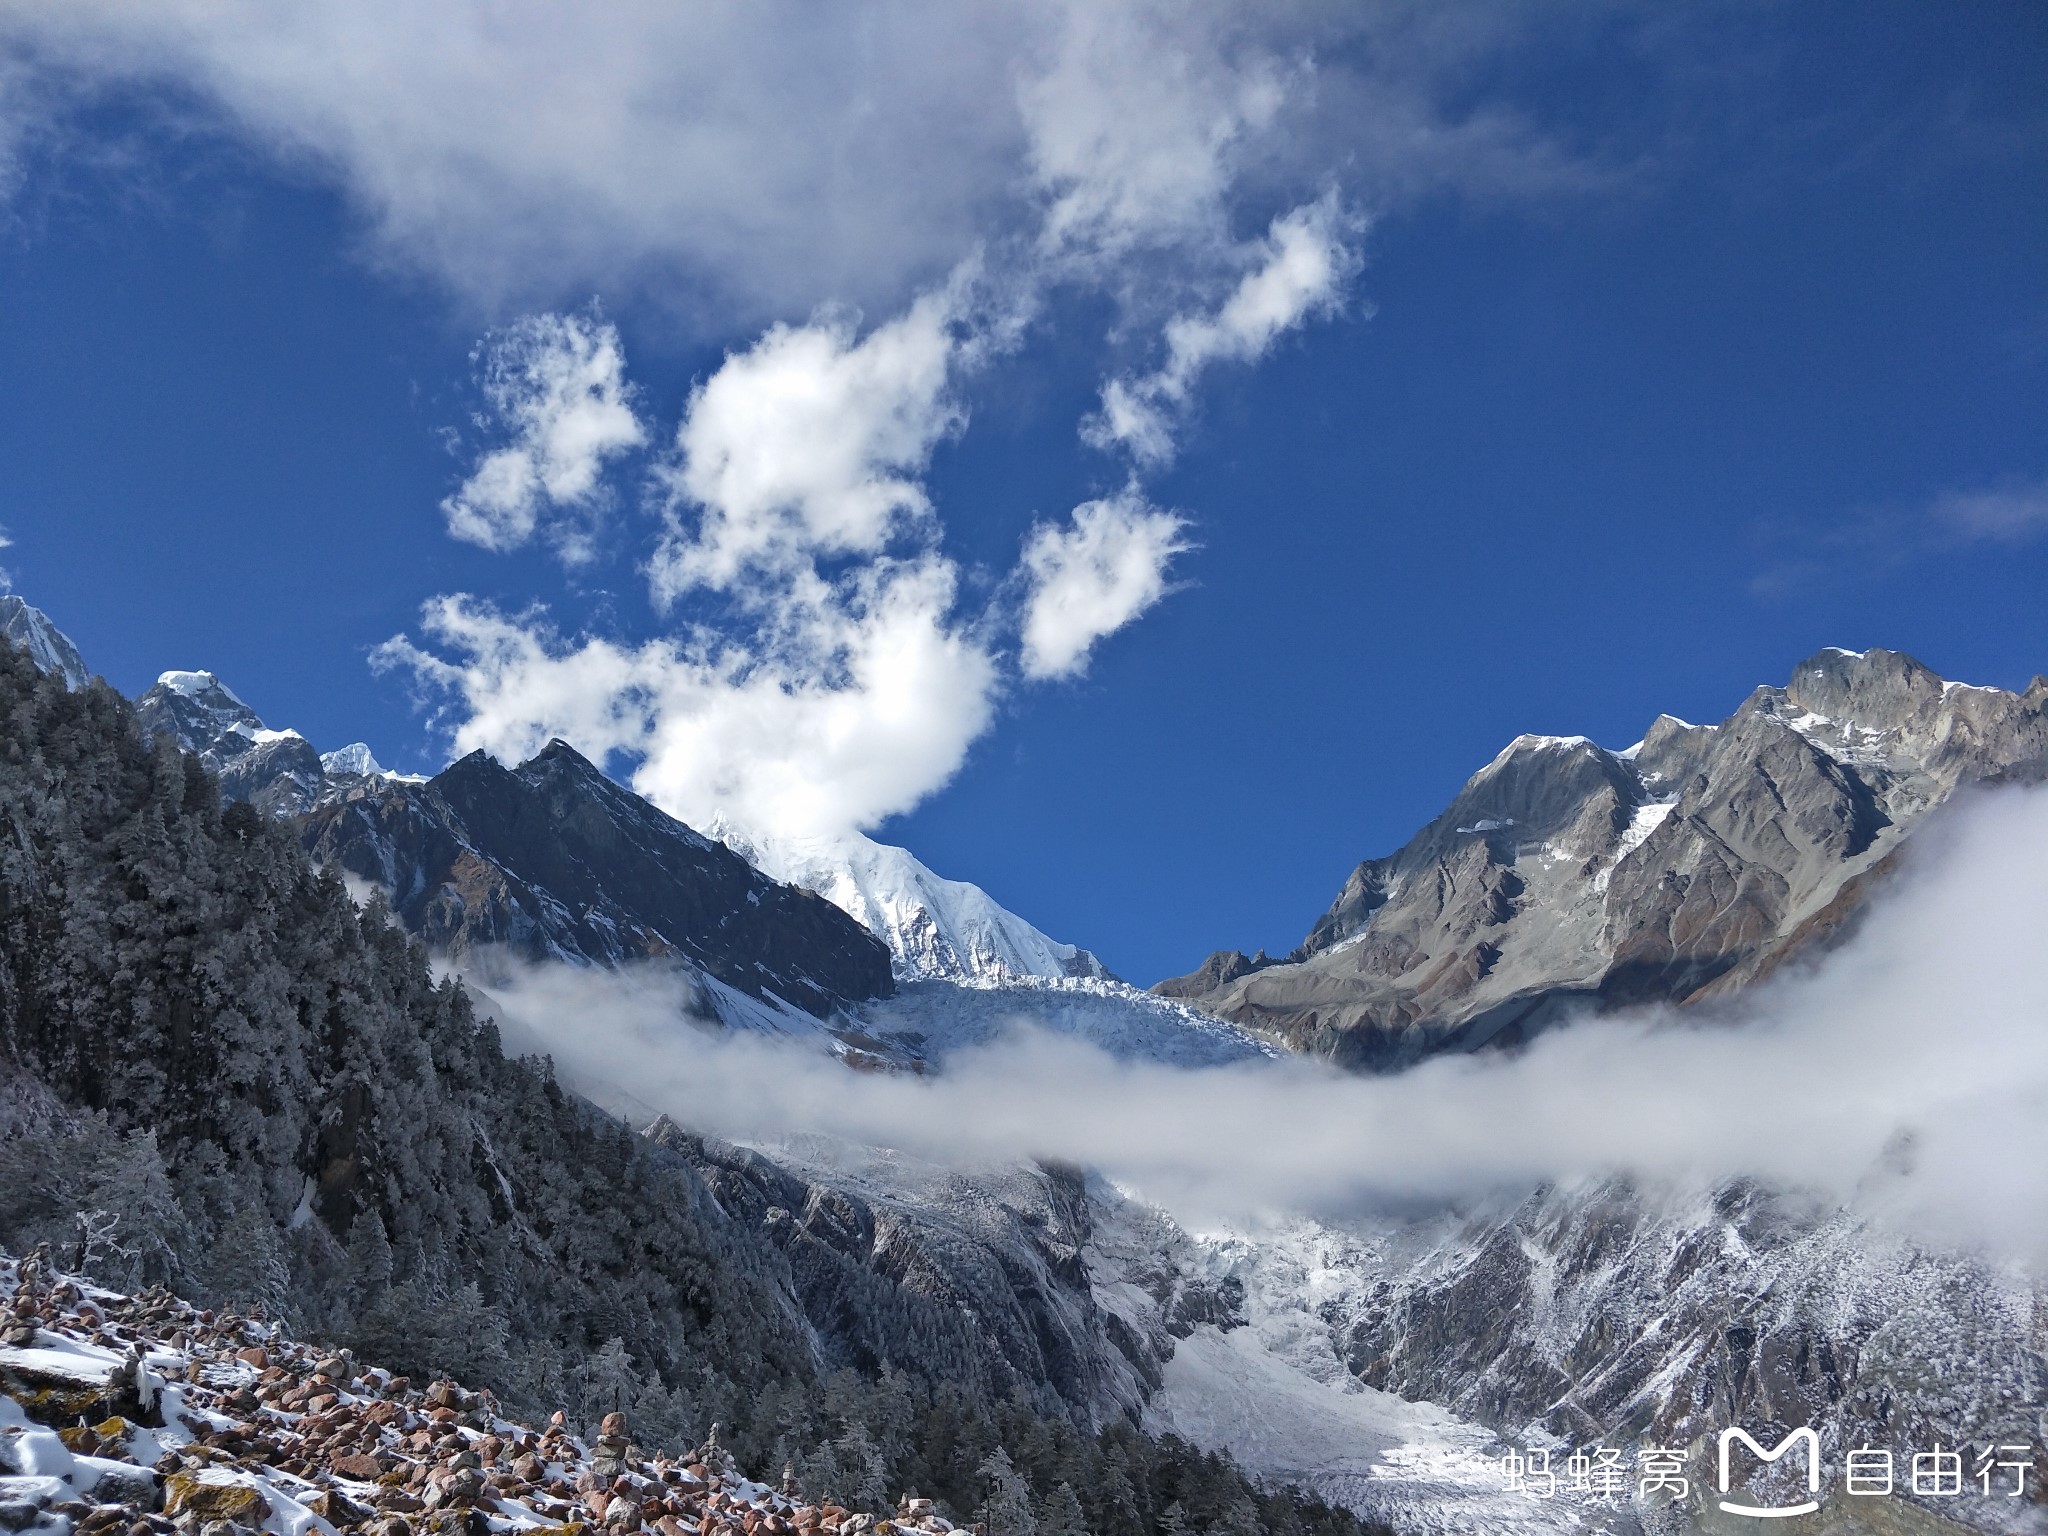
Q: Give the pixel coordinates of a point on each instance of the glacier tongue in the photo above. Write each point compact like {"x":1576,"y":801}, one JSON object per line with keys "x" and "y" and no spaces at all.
{"x":937,"y":929}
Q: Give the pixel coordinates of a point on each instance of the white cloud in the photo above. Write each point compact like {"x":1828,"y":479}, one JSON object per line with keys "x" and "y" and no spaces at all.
{"x":853,"y":702}
{"x":948,"y":167}
{"x":842,"y":687}
{"x":1138,"y":121}
{"x":748,"y":159}
{"x":1091,"y":578}
{"x":810,"y":443}
{"x":556,"y":384}
{"x":2009,"y":512}
{"x":1302,"y":266}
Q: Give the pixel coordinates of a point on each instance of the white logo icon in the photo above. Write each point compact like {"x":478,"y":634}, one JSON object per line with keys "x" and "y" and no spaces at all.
{"x":1805,"y":1437}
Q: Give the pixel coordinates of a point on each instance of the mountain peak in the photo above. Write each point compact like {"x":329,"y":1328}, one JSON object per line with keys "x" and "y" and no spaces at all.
{"x":1563,"y":876}
{"x":559,"y":755}
{"x":202,"y":686}
{"x":354,"y":759}
{"x":934,"y":927}
{"x":49,"y":648}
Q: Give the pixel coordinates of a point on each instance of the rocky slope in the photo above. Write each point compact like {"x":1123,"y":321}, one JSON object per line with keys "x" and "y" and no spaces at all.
{"x":1566,"y":876}
{"x":1605,"y":1314}
{"x":145,"y":1414}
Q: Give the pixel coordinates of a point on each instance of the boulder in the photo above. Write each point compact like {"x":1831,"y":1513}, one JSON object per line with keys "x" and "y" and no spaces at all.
{"x":191,"y":1494}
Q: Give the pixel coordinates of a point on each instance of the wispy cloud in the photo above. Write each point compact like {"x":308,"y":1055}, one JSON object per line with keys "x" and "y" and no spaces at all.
{"x":1903,"y":1075}
{"x":1875,"y":542}
{"x":2013,"y":510}
{"x":555,"y":386}
{"x":1298,"y":271}
{"x":1092,"y":576}
{"x":744,"y":162}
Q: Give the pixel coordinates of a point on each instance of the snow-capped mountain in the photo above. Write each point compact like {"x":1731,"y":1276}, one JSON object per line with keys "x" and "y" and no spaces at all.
{"x":47,"y":646}
{"x":938,"y":929}
{"x":354,"y":760}
{"x":1385,"y":1357}
{"x":1566,"y":877}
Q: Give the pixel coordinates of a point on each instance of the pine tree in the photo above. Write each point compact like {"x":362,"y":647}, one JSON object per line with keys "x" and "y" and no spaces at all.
{"x":1007,"y":1504}
{"x":130,"y":1184}
{"x":866,"y":1476}
{"x":1063,"y":1515}
{"x":606,"y":1381}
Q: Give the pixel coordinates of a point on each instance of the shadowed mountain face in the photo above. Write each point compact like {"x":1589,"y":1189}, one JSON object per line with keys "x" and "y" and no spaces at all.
{"x":1567,"y":875}
{"x":552,"y":860}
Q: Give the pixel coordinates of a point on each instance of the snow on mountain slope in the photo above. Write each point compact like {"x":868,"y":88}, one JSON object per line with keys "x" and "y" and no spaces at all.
{"x":355,"y":758}
{"x":48,"y":647}
{"x":936,"y":928}
{"x":1565,"y":879}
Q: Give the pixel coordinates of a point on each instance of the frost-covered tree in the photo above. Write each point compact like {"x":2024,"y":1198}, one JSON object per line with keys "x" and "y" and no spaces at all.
{"x":606,"y":1381}
{"x":1063,"y":1515}
{"x":1007,"y":1504}
{"x":276,"y":1104}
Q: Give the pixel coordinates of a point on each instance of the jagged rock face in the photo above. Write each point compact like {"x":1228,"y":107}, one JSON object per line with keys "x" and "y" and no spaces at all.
{"x":278,"y":772}
{"x":1605,"y":1313}
{"x":1565,"y":875}
{"x":554,"y":861}
{"x":49,"y":649}
{"x":1214,"y":973}
{"x":979,"y":1280}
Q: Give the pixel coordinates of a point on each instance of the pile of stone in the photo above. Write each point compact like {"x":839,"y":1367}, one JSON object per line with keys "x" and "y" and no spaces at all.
{"x":146,"y":1416}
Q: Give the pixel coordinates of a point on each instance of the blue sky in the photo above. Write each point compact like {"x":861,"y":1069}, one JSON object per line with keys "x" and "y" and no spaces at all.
{"x":1706,"y":341}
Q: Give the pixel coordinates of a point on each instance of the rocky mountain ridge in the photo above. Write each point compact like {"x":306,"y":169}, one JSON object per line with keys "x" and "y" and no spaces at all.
{"x":934,"y":928}
{"x":553,"y":861}
{"x":1565,"y":877}
{"x":278,"y":772}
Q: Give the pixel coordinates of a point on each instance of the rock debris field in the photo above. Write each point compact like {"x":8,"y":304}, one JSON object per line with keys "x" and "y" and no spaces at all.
{"x":143,"y":1414}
